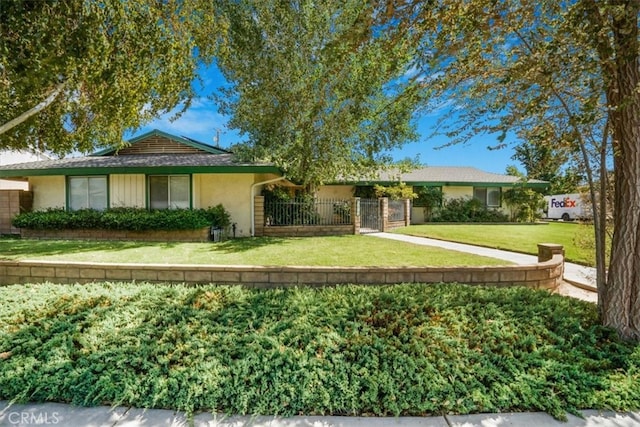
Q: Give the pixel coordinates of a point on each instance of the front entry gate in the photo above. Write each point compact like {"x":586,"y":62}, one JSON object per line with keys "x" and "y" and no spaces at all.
{"x":370,"y":217}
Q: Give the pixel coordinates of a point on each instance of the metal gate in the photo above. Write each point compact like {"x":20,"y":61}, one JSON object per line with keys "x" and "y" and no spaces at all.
{"x":370,"y":218}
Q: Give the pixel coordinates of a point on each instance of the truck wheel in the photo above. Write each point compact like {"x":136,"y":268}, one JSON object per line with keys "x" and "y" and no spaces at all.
{"x":566,"y":217}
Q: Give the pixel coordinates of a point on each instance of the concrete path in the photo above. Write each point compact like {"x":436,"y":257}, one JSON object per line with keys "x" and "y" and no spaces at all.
{"x":574,"y":273}
{"x":57,"y":414}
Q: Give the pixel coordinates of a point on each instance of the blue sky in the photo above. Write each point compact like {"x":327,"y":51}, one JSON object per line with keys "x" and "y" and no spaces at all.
{"x":202,"y":122}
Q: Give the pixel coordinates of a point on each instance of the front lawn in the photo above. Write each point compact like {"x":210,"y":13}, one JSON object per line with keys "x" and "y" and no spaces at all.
{"x":352,"y":350}
{"x":576,"y":238}
{"x":316,"y":251}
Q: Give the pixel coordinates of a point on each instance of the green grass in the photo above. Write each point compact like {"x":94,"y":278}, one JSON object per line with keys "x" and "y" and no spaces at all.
{"x":576,"y":238}
{"x":317,"y":251}
{"x":379,"y":350}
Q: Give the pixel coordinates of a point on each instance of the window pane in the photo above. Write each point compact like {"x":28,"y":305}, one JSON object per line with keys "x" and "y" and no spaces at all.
{"x":87,"y":192}
{"x":98,"y":192}
{"x":179,"y":192}
{"x":480,"y":194}
{"x":493,"y":197}
{"x":158,"y":192}
{"x":78,"y":193}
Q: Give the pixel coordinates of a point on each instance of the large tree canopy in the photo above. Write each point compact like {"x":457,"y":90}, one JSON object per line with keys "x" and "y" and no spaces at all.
{"x":558,"y":74}
{"x":76,"y":73}
{"x":318,"y":87}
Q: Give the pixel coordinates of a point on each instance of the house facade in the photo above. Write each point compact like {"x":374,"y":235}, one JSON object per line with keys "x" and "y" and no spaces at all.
{"x":156,"y":170}
{"x":454,"y":182}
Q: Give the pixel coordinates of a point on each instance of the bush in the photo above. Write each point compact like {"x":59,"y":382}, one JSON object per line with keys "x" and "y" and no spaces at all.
{"x":468,"y":210}
{"x":124,"y":219}
{"x":381,"y":350}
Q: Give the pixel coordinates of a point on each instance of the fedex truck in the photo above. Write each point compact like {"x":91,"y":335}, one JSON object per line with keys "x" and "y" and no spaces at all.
{"x":567,"y":207}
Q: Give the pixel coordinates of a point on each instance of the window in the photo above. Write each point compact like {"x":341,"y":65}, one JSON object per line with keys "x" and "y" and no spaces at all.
{"x":87,"y":192}
{"x":489,"y":196}
{"x":169,"y":192}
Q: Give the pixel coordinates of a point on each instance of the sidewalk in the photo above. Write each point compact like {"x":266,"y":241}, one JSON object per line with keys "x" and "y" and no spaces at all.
{"x":579,"y":275}
{"x":57,"y":414}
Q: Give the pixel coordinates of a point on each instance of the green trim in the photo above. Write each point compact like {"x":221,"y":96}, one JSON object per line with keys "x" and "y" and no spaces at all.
{"x":158,"y":170}
{"x":155,"y":132}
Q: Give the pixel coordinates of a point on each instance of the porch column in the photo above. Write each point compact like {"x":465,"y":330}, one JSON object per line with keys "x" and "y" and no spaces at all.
{"x":355,"y":217}
{"x":258,"y":213}
{"x":384,"y":213}
{"x":407,"y":212}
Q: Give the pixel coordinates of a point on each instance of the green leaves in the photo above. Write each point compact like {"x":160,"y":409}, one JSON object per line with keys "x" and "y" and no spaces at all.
{"x":124,"y":219}
{"x":317,"y":87}
{"x":122,"y":64}
{"x":351,"y":350}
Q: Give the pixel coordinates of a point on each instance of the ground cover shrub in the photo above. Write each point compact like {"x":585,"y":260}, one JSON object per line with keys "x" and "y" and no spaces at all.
{"x":352,"y":350}
{"x":137,"y":219}
{"x":467,"y":210}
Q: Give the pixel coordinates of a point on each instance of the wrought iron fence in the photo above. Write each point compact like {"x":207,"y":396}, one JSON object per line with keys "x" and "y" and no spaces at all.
{"x":307,"y":211}
{"x":396,"y":210}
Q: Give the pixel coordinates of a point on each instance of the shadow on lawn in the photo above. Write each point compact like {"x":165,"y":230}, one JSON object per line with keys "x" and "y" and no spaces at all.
{"x":22,"y":248}
{"x":12,"y":248}
{"x":244,"y":244}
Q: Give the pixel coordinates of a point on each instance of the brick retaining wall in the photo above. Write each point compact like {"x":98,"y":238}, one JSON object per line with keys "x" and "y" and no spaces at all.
{"x":198,"y":235}
{"x":13,"y":202}
{"x":309,"y":230}
{"x":546,"y":274}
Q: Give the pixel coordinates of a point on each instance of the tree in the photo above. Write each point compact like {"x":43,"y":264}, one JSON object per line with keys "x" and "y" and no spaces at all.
{"x":517,"y":67}
{"x":315,"y":86}
{"x":74,"y":74}
{"x":548,"y":163}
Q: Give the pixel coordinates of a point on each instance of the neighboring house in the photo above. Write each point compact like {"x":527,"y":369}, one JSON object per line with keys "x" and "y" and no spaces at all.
{"x":8,"y":157}
{"x":454,"y":182}
{"x":156,"y":171}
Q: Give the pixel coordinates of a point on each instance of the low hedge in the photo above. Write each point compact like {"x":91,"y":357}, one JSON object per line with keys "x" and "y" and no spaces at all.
{"x":348,"y":350}
{"x":135,"y":219}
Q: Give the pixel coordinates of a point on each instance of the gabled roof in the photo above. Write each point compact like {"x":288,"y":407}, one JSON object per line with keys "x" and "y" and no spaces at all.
{"x":453,"y":176}
{"x":192,"y":143}
{"x":155,"y":152}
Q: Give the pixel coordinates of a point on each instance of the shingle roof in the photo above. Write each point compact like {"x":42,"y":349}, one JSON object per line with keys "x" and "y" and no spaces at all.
{"x":452,"y":175}
{"x":153,"y":152}
{"x":139,"y":163}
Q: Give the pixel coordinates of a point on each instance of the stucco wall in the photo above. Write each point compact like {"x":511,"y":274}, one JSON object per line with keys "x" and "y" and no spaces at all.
{"x":48,"y":192}
{"x":335,"y":192}
{"x":232,"y":190}
{"x":127,"y":190}
{"x":457,"y":192}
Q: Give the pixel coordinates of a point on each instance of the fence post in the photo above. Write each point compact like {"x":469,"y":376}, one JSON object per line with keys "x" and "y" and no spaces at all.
{"x":407,"y":212}
{"x":355,"y":217}
{"x":258,"y":215}
{"x":384,"y":214}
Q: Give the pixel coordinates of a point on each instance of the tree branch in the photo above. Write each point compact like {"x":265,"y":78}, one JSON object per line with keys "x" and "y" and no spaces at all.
{"x":35,"y":110}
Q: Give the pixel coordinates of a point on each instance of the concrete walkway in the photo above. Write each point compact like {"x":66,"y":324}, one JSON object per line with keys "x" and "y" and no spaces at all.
{"x":57,"y":414}
{"x":584,"y":277}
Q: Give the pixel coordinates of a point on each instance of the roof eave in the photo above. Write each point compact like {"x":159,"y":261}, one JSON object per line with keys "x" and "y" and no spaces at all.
{"x":448,"y":183}
{"x":141,"y":170}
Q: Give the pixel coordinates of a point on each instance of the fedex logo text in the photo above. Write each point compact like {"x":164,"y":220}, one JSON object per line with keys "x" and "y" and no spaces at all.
{"x":563,"y":203}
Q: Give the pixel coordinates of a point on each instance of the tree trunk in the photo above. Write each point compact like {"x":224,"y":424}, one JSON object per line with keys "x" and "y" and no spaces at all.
{"x":620,"y":308}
